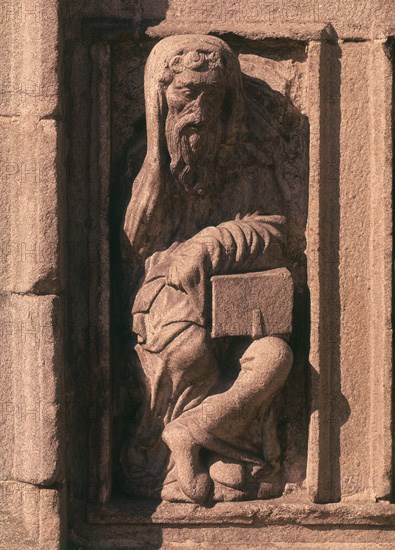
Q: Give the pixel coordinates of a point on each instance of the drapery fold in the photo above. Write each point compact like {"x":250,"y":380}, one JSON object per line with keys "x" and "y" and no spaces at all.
{"x":160,"y":312}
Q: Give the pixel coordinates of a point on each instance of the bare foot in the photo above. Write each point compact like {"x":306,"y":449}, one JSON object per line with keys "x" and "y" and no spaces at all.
{"x":192,"y":477}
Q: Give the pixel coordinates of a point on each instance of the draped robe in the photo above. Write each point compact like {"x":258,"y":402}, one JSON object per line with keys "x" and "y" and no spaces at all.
{"x":178,"y":359}
{"x":238,"y":226}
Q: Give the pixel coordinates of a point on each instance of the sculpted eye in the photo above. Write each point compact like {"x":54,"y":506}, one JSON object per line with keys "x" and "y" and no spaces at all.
{"x":187,"y":92}
{"x":190,"y":93}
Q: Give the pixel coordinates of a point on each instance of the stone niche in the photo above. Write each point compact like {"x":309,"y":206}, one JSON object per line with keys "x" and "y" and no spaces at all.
{"x":118,"y":137}
{"x":325,"y":430}
{"x":309,"y":112}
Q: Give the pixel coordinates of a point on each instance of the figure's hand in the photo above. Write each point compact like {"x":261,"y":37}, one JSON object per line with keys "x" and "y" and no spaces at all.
{"x":183,"y":272}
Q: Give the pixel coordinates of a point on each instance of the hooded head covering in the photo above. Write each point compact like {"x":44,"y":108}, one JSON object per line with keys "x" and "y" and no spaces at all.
{"x":146,"y":220}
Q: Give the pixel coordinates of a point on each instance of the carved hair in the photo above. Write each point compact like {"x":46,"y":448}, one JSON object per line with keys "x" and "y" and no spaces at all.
{"x":194,"y":60}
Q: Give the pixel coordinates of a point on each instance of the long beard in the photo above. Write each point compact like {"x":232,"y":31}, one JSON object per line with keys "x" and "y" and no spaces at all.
{"x":193,"y":152}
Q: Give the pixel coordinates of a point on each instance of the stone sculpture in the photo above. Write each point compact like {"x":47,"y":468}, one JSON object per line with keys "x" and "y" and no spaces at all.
{"x":211,"y":199}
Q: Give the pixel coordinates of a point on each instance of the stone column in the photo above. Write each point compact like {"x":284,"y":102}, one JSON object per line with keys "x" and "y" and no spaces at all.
{"x":32,"y":273}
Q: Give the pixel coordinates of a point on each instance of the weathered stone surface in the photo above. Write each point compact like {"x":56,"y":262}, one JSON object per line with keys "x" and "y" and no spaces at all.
{"x":31,"y":517}
{"x":278,"y":524}
{"x":259,"y":32}
{"x":355,"y":172}
{"x":32,"y":389}
{"x":29,"y":69}
{"x":290,"y":509}
{"x":351,"y":19}
{"x":32,"y":209}
{"x":359,"y":351}
{"x":380,"y":272}
{"x":31,"y":326}
{"x":253,"y":304}
{"x":318,"y":450}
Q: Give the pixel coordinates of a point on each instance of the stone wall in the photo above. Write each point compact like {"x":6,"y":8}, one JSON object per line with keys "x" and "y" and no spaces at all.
{"x":66,"y":127}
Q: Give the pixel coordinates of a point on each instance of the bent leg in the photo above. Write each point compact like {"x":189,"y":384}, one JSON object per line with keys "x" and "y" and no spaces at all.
{"x":216,"y":423}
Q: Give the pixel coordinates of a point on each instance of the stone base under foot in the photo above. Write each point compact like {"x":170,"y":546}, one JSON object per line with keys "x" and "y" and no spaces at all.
{"x":281,"y":523}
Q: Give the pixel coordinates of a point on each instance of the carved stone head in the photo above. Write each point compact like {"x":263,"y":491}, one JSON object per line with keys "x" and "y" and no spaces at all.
{"x":199,"y":90}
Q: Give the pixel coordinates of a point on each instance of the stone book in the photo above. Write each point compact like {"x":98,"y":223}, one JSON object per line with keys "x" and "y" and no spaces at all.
{"x":252,"y":304}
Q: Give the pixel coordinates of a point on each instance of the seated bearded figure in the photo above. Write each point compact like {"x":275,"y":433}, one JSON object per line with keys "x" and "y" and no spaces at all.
{"x":206,"y":202}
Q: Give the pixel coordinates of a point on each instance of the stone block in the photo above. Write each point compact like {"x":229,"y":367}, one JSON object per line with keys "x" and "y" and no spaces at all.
{"x":31,"y":517}
{"x":350,"y":19}
{"x":29,"y":71}
{"x":30,"y":181}
{"x":31,"y":391}
{"x":244,"y":525}
{"x":252,"y":304}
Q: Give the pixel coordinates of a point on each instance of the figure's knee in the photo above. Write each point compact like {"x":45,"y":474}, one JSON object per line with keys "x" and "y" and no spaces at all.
{"x":269,"y":355}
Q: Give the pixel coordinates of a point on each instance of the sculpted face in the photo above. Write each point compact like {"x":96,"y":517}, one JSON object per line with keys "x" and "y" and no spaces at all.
{"x":194,"y":124}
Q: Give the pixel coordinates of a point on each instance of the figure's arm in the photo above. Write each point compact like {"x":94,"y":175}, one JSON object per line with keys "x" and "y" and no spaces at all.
{"x":144,"y":214}
{"x":252,"y":243}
